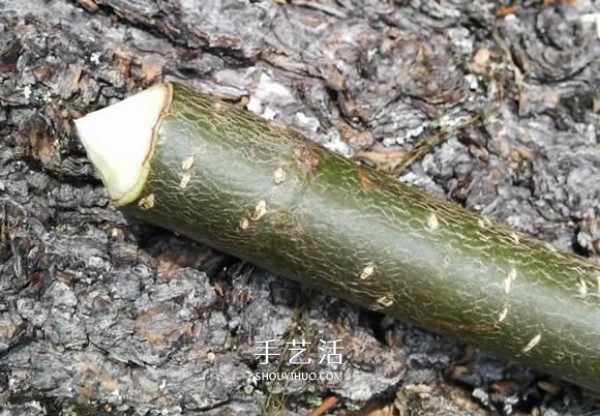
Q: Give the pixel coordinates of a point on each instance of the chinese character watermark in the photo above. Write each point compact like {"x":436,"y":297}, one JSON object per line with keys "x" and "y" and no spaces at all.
{"x":267,"y":351}
{"x":330,"y":352}
{"x":298,"y":349}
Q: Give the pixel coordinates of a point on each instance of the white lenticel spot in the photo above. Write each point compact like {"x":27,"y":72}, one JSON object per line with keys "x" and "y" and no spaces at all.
{"x":503,"y":314}
{"x":385,"y":301}
{"x":279,"y":176}
{"x":259,"y":211}
{"x":367,"y":271}
{"x":146,"y":202}
{"x":582,"y":287}
{"x":185,"y":179}
{"x":187,"y":163}
{"x":433,"y":222}
{"x":512,"y":275}
{"x":484,"y":222}
{"x":531,"y":344}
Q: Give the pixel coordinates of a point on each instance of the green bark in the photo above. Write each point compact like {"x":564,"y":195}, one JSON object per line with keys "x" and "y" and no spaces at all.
{"x":266,"y":194}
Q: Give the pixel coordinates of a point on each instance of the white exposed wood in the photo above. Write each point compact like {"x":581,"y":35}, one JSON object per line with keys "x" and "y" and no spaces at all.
{"x":118,"y":138}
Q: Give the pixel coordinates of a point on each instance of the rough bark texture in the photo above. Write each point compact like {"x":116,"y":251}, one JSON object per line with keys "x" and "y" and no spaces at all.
{"x":103,"y":313}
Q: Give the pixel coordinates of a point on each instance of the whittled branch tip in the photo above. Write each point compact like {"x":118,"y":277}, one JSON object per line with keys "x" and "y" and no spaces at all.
{"x":118,"y":139}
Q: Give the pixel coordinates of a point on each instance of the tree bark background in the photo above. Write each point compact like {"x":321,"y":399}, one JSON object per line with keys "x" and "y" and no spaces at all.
{"x":101,"y":313}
